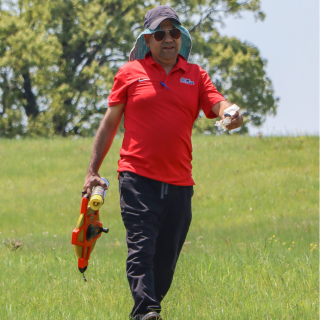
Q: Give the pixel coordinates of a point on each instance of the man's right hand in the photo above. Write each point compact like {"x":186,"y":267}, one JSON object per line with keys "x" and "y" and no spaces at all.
{"x":92,"y":180}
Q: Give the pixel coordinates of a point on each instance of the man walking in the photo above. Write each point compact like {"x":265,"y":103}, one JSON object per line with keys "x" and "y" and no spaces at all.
{"x":161,"y":95}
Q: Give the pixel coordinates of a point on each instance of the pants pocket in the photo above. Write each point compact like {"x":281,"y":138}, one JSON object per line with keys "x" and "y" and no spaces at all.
{"x":122,"y":178}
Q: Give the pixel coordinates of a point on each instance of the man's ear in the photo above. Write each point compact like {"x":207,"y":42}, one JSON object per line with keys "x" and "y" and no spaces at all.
{"x":147,"y":39}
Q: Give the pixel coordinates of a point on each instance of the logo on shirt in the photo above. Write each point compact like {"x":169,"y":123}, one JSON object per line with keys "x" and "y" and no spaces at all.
{"x":185,"y":80}
{"x":141,"y":80}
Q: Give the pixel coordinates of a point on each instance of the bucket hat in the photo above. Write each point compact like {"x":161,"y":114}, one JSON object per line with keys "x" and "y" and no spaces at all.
{"x":152,"y":21}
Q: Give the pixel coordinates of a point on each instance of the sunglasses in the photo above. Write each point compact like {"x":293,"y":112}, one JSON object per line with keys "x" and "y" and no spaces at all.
{"x":174,"y":34}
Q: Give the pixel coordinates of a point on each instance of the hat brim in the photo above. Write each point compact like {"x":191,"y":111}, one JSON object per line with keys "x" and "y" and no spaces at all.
{"x":156,"y":22}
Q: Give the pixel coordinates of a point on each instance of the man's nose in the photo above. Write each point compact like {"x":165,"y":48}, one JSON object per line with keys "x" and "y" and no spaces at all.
{"x":168,"y":38}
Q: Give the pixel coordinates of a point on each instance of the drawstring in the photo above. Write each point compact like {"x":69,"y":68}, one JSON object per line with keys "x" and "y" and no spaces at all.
{"x":164,"y":189}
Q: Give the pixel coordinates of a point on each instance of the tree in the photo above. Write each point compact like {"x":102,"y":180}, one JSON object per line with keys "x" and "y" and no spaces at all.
{"x":238,"y":72}
{"x":58,"y":59}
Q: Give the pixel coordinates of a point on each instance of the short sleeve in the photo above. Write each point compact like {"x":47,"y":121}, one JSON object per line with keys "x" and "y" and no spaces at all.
{"x":119,"y":90}
{"x":209,"y":95}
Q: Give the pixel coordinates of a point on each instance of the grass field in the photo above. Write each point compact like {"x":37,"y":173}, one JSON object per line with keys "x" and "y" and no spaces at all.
{"x":251,"y":253}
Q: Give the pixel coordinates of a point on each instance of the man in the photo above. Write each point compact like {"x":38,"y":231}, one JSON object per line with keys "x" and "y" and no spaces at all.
{"x":160,"y":94}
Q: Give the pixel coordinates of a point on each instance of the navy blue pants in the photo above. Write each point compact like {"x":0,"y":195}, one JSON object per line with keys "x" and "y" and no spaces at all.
{"x":157,"y":217}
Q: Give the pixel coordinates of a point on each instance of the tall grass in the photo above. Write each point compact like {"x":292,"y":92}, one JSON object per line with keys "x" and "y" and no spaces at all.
{"x":251,"y":253}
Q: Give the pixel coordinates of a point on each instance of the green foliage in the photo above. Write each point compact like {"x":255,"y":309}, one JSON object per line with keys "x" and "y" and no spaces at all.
{"x":10,"y":123}
{"x":238,"y":72}
{"x":58,"y":59}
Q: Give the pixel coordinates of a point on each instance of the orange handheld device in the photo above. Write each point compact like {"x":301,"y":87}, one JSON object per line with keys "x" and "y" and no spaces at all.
{"x":86,"y":233}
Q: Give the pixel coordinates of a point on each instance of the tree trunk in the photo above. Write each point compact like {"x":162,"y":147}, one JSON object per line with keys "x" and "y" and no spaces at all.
{"x":30,"y":107}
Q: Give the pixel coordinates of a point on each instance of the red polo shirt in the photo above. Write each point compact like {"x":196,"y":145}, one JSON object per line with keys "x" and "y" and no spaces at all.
{"x":158,"y":117}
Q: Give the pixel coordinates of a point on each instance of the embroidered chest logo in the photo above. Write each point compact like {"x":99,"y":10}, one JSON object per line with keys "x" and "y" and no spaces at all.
{"x":185,"y":80}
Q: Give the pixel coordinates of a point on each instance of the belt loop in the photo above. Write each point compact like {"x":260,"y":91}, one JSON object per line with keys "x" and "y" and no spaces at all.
{"x":162,"y":190}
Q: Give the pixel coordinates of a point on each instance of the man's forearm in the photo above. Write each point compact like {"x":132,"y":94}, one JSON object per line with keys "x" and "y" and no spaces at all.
{"x":104,"y":138}
{"x":220,"y":107}
{"x":101,"y":146}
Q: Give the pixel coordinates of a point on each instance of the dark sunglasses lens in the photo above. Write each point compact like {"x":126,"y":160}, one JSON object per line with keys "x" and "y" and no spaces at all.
{"x":175,"y":33}
{"x":159,"y":35}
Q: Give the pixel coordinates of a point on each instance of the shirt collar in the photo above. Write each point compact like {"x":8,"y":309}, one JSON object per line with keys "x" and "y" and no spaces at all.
{"x":181,"y":63}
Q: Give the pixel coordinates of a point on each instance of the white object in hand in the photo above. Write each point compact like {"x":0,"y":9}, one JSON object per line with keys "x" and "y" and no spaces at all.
{"x":227,"y":120}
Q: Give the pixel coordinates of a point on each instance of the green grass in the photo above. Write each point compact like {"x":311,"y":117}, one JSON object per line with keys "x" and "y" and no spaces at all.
{"x":251,"y":253}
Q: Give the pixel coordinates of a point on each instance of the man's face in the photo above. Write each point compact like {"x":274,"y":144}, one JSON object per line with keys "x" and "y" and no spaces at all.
{"x":167,"y":50}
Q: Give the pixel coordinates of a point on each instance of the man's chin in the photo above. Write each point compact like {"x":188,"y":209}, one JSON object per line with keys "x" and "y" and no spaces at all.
{"x":169,"y":55}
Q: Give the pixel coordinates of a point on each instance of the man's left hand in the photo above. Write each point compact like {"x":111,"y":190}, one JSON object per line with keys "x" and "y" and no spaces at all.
{"x":236,"y":121}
